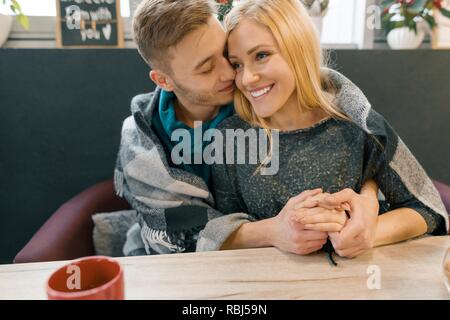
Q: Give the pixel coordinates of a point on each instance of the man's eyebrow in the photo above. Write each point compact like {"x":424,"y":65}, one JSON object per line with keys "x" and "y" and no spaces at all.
{"x":203,"y":62}
{"x":249,"y":52}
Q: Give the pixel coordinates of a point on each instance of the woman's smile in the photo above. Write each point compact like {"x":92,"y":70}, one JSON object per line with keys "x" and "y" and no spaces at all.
{"x":261,"y":92}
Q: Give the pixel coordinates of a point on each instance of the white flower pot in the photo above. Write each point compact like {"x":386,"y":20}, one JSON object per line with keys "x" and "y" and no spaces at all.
{"x":405,"y":38}
{"x":316,"y":14}
{"x":5,"y":27}
{"x":318,"y":22}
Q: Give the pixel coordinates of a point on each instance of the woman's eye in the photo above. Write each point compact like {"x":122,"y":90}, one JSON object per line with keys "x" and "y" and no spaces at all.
{"x":261,"y":55}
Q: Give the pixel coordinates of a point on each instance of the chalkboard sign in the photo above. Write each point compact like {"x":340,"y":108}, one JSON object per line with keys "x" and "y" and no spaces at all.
{"x":89,"y":23}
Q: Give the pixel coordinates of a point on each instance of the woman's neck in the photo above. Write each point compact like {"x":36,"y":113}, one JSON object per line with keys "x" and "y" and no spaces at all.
{"x":292,"y":117}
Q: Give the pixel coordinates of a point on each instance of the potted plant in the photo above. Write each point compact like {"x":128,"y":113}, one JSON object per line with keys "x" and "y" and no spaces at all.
{"x":6,"y":20}
{"x":317,"y":10}
{"x":316,"y":7}
{"x":224,"y":6}
{"x":407,"y":21}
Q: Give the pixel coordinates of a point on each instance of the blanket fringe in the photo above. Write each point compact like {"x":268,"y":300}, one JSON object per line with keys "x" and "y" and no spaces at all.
{"x":159,"y":237}
{"x":118,"y":182}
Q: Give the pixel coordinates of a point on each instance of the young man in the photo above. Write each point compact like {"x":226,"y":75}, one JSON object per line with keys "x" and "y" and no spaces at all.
{"x":184,"y":44}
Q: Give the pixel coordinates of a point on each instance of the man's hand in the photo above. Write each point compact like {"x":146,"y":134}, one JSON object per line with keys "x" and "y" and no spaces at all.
{"x":358,"y":234}
{"x":290,"y":235}
{"x":322,"y":217}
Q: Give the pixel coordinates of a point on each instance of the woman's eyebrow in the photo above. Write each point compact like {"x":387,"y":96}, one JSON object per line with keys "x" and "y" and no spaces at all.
{"x":257,"y":47}
{"x":249,"y":52}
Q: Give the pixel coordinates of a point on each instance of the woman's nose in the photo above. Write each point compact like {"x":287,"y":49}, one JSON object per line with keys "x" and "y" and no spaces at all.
{"x":249,"y":77}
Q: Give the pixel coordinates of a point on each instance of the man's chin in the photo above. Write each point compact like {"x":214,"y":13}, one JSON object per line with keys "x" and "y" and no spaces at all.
{"x":227,"y":98}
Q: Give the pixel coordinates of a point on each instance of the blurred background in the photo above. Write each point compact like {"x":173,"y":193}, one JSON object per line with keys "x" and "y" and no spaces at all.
{"x":350,"y":24}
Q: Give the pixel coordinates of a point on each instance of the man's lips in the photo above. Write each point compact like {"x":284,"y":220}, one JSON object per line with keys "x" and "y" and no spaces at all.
{"x":227,"y":88}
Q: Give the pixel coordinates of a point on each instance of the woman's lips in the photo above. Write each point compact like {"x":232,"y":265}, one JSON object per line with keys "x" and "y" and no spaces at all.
{"x":261,"y":92}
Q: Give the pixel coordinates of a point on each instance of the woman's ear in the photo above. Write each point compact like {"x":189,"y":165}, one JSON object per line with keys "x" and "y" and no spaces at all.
{"x":161,"y":80}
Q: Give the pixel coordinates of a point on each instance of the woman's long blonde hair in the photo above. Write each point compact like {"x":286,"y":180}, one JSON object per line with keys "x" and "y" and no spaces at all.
{"x":297,"y":39}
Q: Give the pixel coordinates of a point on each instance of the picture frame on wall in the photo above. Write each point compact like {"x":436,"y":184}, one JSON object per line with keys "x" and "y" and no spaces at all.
{"x":89,"y":24}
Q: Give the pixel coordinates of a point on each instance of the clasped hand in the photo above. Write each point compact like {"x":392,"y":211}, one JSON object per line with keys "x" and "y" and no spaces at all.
{"x":309,"y":219}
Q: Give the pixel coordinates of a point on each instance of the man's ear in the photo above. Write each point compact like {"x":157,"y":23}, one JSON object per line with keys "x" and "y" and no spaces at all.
{"x":161,"y":80}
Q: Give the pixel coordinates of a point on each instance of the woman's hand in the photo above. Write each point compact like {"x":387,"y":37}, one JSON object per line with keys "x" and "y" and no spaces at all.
{"x":358,"y":235}
{"x":290,"y":235}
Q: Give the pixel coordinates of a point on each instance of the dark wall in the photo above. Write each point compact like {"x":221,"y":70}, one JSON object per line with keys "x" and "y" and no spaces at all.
{"x":411,"y":89}
{"x":61,"y":112}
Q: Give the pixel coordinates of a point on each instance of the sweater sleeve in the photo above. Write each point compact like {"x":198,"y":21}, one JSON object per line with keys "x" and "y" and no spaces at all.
{"x":230,"y":204}
{"x":226,"y":194}
{"x":396,"y":193}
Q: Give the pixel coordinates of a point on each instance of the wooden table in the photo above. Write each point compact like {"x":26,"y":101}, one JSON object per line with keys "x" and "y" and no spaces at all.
{"x":409,"y":270}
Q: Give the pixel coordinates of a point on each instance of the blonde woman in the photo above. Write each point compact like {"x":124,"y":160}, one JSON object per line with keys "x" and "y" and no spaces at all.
{"x":283,"y":85}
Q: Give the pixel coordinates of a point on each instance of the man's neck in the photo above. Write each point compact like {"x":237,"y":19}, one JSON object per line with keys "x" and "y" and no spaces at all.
{"x":188,"y":115}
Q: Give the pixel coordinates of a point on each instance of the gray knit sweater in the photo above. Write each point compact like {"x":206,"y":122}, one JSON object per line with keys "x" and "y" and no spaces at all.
{"x":332,"y":155}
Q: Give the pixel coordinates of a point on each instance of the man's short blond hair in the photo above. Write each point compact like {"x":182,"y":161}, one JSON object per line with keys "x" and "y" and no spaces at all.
{"x":161,"y":24}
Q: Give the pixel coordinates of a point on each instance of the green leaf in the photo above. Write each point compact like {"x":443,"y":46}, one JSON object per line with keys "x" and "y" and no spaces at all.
{"x":445,"y":12}
{"x":417,"y":7}
{"x":223,"y":10}
{"x":391,"y":25}
{"x":429,"y":5}
{"x":324,"y":5}
{"x":13,"y":9}
{"x":16,"y":5}
{"x":23,"y":20}
{"x":388,"y":16}
{"x":431,"y":21}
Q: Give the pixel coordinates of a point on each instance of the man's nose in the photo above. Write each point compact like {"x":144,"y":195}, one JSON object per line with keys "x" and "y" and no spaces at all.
{"x":228,"y":73}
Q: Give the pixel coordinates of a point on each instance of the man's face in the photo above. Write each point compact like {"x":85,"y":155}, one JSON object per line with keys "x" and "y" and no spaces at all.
{"x":201,"y":75}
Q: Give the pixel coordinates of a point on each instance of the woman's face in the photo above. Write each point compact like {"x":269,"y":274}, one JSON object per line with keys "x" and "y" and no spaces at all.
{"x":262,"y":74}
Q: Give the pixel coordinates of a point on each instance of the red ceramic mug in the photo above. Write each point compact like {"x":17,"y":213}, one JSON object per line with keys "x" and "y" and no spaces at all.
{"x":90,"y":278}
